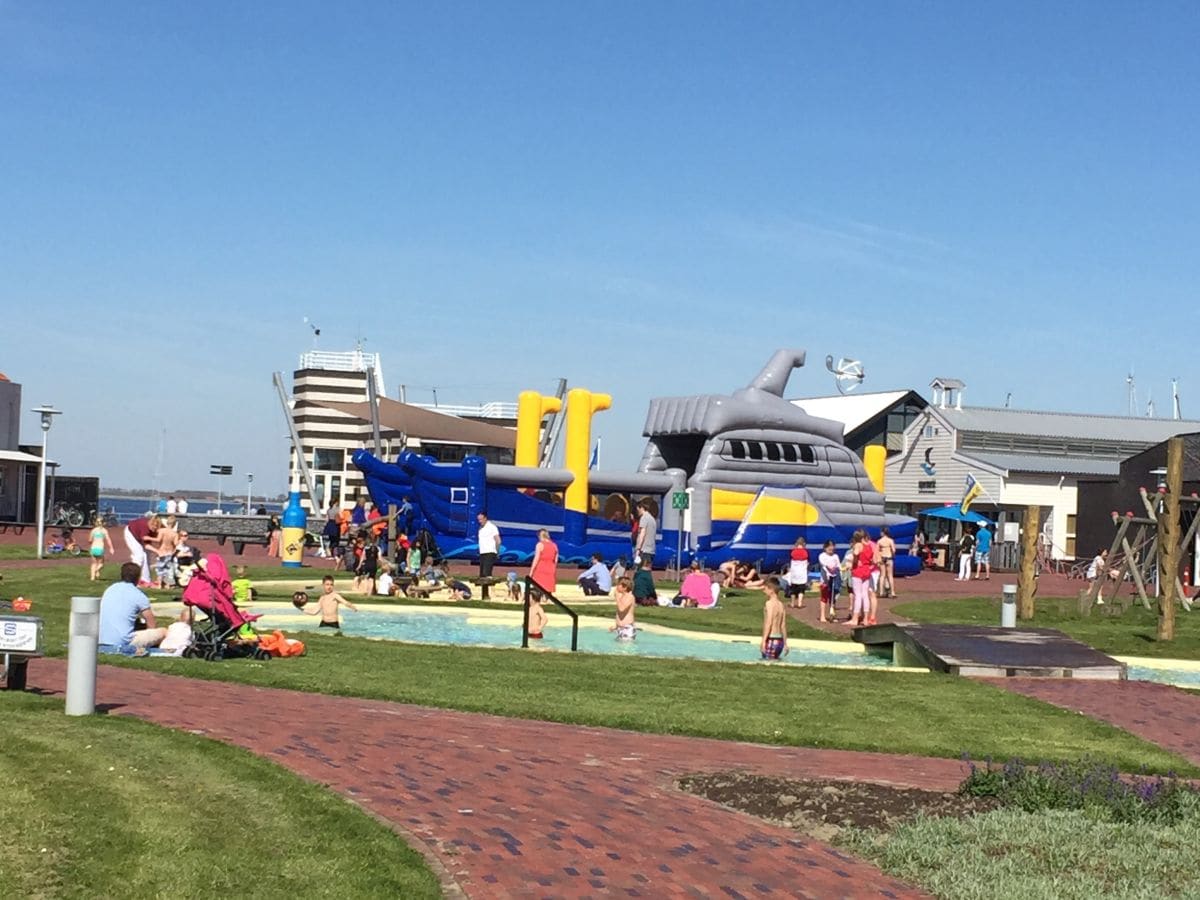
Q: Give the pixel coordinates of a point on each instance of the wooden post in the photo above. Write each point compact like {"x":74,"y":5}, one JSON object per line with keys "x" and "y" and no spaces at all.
{"x":1168,"y":540}
{"x":1027,"y":586}
{"x":393,"y":550}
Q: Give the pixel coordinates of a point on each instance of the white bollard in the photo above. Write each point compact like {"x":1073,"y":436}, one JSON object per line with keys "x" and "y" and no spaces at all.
{"x":1008,"y":608}
{"x":81,"y":656}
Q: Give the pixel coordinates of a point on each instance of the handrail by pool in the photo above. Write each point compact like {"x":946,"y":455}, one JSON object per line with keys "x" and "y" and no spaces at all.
{"x":530,"y":585}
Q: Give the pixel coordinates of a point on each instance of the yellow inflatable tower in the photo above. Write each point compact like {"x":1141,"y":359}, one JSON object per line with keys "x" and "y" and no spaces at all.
{"x":875,"y":462}
{"x":581,"y":406}
{"x":532,"y":407}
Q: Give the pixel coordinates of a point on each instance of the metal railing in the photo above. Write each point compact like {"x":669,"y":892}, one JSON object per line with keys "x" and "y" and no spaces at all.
{"x":493,"y":410}
{"x":531,"y":586}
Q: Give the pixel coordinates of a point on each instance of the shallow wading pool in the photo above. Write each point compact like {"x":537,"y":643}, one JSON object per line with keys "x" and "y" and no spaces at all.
{"x":501,"y":628}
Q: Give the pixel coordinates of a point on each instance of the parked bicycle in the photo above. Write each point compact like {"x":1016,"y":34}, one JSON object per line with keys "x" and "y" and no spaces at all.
{"x":66,"y":514}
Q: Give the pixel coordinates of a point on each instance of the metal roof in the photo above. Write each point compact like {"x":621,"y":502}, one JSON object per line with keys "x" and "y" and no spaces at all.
{"x":1083,"y":426}
{"x":1048,"y":465}
{"x":18,"y":456}
{"x":852,"y":410}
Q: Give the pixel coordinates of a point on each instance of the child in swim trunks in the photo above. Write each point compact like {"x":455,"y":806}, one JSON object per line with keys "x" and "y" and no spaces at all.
{"x":327,"y":604}
{"x":774,"y":633}
{"x":624,"y":625}
{"x":537,"y":615}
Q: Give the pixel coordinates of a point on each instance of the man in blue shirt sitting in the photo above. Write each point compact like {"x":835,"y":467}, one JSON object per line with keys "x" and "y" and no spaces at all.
{"x":120,"y":607}
{"x":983,"y":553}
{"x":596,"y":581}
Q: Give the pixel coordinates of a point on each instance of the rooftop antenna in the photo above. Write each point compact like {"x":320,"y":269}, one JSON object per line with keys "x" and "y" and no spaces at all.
{"x":1150,"y":404}
{"x":1007,"y":399}
{"x":848,"y":373}
{"x":1176,"y":412}
{"x":316,"y":332}
{"x":1131,"y":390}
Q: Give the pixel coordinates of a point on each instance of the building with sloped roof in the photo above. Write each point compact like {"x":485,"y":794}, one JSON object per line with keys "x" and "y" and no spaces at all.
{"x":879,"y":417}
{"x":1019,"y":457}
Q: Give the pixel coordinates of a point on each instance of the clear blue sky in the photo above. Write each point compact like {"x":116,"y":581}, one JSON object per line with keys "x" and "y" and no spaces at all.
{"x":645,"y":198}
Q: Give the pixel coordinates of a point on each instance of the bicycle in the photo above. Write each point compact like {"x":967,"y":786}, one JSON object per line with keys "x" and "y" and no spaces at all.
{"x":66,"y":514}
{"x":108,"y":518}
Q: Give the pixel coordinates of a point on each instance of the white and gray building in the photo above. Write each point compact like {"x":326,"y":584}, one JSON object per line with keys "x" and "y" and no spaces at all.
{"x":1019,"y":457}
{"x":328,"y":435}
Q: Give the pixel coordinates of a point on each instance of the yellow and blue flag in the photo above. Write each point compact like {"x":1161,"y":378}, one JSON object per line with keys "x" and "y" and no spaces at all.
{"x":973,"y":490}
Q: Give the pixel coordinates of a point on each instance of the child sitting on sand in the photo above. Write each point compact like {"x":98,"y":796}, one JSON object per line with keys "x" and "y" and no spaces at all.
{"x":327,"y":604}
{"x":514,"y":587}
{"x":243,"y":590}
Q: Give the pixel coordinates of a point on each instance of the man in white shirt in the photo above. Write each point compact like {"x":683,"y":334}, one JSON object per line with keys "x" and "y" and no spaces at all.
{"x":596,"y":581}
{"x":489,"y":550}
{"x":172,"y":506}
{"x":181,"y":506}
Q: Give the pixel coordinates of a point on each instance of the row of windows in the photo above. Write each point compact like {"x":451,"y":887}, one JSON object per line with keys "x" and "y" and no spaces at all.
{"x":771,"y":451}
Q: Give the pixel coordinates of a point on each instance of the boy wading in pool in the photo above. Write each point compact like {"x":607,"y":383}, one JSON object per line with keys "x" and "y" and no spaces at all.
{"x":774,"y":633}
{"x":624,"y":626}
{"x":327,"y":604}
{"x":537,"y":615}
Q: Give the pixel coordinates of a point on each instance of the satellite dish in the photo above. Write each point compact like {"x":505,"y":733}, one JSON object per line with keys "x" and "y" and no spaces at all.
{"x":848,"y":373}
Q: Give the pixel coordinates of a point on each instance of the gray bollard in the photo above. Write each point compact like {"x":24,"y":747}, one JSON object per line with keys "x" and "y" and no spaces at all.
{"x":81,"y":656}
{"x":1008,"y":608}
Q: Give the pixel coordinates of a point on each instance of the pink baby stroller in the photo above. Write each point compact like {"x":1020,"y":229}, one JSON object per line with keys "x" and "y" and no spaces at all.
{"x":216,"y":636}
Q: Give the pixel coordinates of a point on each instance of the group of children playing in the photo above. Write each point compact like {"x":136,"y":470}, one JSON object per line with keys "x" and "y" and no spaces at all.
{"x":867,"y":570}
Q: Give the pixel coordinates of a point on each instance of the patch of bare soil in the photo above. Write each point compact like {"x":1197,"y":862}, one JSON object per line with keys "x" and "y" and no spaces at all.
{"x":823,"y":808}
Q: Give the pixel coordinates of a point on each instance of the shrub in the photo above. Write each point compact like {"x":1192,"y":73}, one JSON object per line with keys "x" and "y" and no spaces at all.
{"x":1096,"y":789}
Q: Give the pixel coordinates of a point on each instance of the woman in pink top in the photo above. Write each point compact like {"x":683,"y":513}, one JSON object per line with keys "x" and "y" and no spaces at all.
{"x":544,"y":569}
{"x":696,"y":589}
{"x":860,"y":578}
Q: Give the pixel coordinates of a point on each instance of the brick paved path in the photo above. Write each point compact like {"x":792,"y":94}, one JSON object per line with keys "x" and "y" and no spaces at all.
{"x":1161,"y":714}
{"x":514,"y":808}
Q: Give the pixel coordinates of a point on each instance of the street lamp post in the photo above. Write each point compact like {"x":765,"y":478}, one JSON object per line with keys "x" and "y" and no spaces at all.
{"x":249,"y":490}
{"x":47,"y":413}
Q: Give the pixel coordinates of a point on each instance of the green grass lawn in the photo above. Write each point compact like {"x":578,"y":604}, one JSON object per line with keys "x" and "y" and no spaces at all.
{"x":1130,"y":634}
{"x":20,"y":551}
{"x":1050,"y":855}
{"x":817,"y":707}
{"x":106,"y":806}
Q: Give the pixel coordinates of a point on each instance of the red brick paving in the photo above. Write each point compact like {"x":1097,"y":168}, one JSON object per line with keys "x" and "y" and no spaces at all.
{"x":1159,"y":713}
{"x":512,"y":808}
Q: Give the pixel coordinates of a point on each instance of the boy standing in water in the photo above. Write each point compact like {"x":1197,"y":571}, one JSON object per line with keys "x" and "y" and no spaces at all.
{"x":327,"y":605}
{"x":537,"y":615}
{"x":774,"y":632}
{"x":624,"y":626}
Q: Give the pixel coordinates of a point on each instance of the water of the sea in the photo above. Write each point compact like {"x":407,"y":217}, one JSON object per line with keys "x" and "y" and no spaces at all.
{"x":128,"y":508}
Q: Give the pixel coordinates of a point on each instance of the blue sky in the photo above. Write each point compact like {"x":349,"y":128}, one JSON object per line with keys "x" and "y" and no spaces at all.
{"x":646,"y":199}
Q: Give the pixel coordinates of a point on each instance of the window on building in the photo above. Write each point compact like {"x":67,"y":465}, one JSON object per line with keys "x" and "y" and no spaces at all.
{"x":736,"y":449}
{"x":773,"y":452}
{"x":789,"y":453}
{"x":755,"y":449}
{"x":329,"y":459}
{"x":807,"y":454}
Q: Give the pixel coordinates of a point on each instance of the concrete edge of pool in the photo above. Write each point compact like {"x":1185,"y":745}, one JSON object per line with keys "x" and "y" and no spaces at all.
{"x":281,"y":615}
